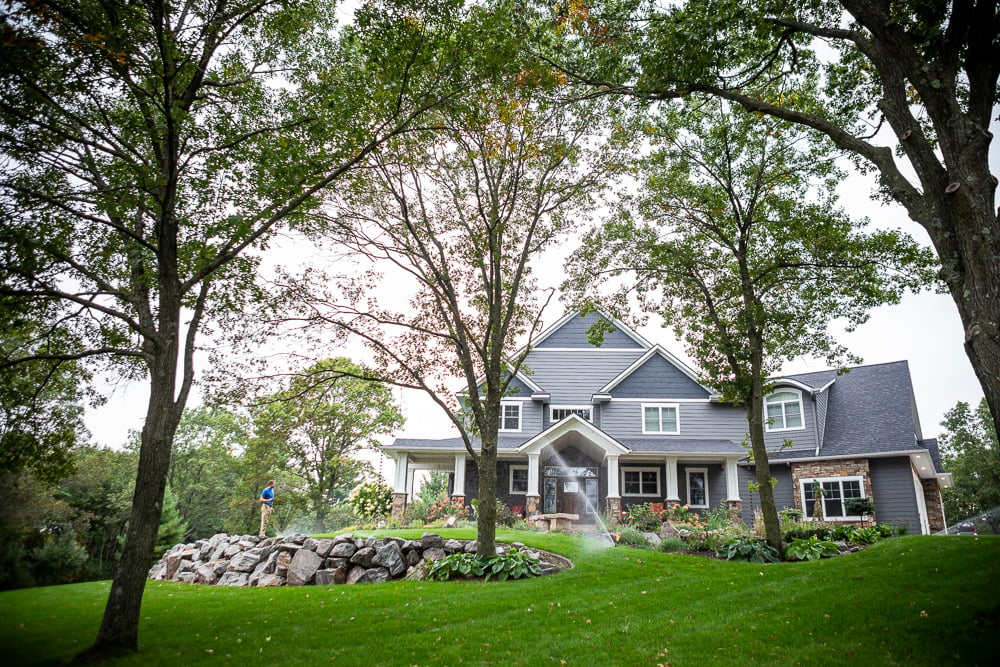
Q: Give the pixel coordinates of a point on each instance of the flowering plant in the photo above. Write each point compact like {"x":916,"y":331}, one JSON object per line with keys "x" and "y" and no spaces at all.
{"x":371,"y":500}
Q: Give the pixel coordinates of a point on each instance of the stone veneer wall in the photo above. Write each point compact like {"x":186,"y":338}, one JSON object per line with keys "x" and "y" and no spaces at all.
{"x":935,"y":505}
{"x":298,"y":560}
{"x":838,"y":468}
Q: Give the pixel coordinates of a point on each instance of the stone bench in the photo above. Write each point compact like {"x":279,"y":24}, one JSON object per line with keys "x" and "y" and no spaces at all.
{"x":557,"y":521}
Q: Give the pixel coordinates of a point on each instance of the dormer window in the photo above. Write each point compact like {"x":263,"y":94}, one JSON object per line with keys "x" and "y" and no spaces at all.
{"x":784,"y":411}
{"x":510,"y":416}
{"x":560,"y":412}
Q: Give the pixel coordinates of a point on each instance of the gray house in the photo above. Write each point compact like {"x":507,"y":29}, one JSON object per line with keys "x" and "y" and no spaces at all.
{"x":597,"y":429}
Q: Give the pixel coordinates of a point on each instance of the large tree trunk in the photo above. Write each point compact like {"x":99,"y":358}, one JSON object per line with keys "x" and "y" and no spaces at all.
{"x":119,"y":631}
{"x":486,"y":508}
{"x":762,"y":467}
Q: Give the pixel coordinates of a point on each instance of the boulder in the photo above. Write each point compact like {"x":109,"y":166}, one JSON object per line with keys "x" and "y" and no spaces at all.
{"x":431,"y":540}
{"x":173,"y":561}
{"x":234,"y":579}
{"x":270,"y":580}
{"x":325,"y":577}
{"x":281,"y":562}
{"x":373,"y":575}
{"x":354,"y":574}
{"x":323,"y":547}
{"x":303,"y":567}
{"x":244,"y":562}
{"x":453,"y":546}
{"x":390,"y":558}
{"x":343,"y":550}
{"x":363,"y":557}
{"x":434,"y":553}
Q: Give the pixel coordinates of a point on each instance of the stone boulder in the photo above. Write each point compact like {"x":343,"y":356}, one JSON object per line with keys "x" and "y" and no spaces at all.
{"x":303,"y":567}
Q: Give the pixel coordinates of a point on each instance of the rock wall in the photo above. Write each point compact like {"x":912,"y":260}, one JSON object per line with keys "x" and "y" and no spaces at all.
{"x":299,"y":560}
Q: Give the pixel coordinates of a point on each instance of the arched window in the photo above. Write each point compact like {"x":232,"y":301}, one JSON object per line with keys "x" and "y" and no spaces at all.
{"x":783,"y":411}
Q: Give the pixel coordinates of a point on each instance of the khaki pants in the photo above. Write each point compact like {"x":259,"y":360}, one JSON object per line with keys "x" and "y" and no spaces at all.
{"x":265,"y":515}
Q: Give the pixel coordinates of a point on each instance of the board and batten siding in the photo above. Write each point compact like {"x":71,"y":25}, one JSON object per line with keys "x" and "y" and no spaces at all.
{"x":698,"y":419}
{"x":658,"y":377}
{"x":572,"y":377}
{"x":573,"y":334}
{"x":893,"y":494}
{"x":822,"y":404}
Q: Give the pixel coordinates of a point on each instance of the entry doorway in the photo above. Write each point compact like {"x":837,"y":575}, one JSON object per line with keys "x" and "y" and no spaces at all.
{"x":570,"y":490}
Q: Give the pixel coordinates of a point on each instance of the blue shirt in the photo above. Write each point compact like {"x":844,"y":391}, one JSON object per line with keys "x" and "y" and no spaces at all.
{"x":268,"y":495}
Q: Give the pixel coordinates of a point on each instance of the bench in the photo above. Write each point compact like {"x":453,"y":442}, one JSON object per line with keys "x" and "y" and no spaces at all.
{"x":557,"y":521}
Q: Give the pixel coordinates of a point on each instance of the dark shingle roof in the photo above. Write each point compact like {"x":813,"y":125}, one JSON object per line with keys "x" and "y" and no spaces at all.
{"x":683,"y":445}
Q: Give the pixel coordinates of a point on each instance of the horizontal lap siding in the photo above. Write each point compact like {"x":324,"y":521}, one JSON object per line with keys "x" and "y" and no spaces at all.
{"x":573,"y":333}
{"x":697,"y":420}
{"x":893,"y":493}
{"x":572,"y":377}
{"x":783,"y":498}
{"x":802,"y":439}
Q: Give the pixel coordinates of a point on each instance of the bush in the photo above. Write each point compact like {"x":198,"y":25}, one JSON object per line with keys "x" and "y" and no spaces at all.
{"x":371,"y":500}
{"x":630,"y":536}
{"x":442,"y":509}
{"x":512,"y":564}
{"x":59,"y":561}
{"x":718,"y":518}
{"x":750,"y":550}
{"x":868,"y":535}
{"x":670,"y":545}
{"x":810,"y":549}
{"x":644,"y":518}
{"x":790,"y":515}
{"x":804,"y":531}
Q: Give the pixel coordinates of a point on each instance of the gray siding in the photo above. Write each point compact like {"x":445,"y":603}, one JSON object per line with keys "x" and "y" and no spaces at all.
{"x":573,"y":334}
{"x":802,"y":439}
{"x":621,"y":419}
{"x":893,"y":493}
{"x":822,"y":403}
{"x":573,"y":376}
{"x":658,"y":378}
{"x":783,"y":498}
{"x":518,"y":389}
{"x":531,"y":417}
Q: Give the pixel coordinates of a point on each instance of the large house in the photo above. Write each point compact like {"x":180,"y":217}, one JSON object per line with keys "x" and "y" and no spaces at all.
{"x":597,"y":429}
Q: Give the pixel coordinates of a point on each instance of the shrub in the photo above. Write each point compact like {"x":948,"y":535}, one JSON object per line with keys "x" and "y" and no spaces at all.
{"x":678,"y":513}
{"x":671,"y":545}
{"x":645,"y":518}
{"x":442,"y":509}
{"x":59,"y":561}
{"x":810,"y":549}
{"x":512,"y":564}
{"x":371,"y":500}
{"x":750,"y":550}
{"x":718,"y":518}
{"x":867,"y":535}
{"x":631,"y":537}
{"x":790,"y":515}
{"x":804,"y":531}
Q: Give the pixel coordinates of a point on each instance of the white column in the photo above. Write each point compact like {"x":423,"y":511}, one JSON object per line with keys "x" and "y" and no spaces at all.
{"x":613,"y":488}
{"x":400,"y":478}
{"x":459,"y":489}
{"x":732,"y":479}
{"x":672,"y":493}
{"x":532,"y":475}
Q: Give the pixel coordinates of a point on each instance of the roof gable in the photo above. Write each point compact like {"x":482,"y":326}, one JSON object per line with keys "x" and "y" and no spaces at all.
{"x":570,"y":332}
{"x":657,"y":374}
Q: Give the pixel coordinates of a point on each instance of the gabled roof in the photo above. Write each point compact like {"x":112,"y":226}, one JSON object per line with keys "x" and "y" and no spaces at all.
{"x":656,"y":350}
{"x":574,"y":424}
{"x":575,"y":317}
{"x":521,"y":376}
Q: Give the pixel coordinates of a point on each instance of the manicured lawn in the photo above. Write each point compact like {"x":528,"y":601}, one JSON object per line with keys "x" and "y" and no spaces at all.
{"x":913,"y":600}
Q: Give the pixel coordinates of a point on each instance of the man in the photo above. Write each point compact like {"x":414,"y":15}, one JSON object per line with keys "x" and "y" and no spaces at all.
{"x":266,"y":506}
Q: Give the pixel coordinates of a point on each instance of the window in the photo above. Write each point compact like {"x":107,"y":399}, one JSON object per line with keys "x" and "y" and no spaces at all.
{"x":660,"y":418}
{"x":697,"y":486}
{"x":510,"y":417}
{"x":560,"y":412}
{"x":784,"y":411}
{"x":641,"y":481}
{"x":836,"y":490}
{"x":519,"y":479}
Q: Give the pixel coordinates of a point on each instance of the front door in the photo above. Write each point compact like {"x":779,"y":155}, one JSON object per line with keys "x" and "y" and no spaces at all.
{"x":570,"y":490}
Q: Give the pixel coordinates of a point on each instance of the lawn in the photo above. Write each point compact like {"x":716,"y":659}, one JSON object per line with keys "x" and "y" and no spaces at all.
{"x":913,"y":600}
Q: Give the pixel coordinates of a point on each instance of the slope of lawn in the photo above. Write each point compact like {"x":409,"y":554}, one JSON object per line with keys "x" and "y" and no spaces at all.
{"x":912,"y":600}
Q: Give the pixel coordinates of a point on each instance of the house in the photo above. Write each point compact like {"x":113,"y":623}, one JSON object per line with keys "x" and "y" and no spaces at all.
{"x":596,"y":429}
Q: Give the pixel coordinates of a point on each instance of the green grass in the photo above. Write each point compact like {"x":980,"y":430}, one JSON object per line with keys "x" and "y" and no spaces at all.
{"x":912,"y":600}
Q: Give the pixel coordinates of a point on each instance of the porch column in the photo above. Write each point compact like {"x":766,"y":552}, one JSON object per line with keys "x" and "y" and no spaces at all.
{"x":733,"y":501}
{"x":673,"y":497}
{"x":532,"y":498}
{"x":614,"y":490}
{"x":458,"y":490}
{"x":399,"y":485}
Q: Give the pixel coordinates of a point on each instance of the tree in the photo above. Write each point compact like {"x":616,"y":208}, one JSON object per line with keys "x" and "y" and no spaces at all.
{"x":151,"y":151}
{"x":969,"y":450}
{"x":325,"y":417}
{"x":434,"y":487}
{"x":909,"y":87}
{"x":456,"y":215}
{"x":205,"y":467}
{"x":740,"y":247}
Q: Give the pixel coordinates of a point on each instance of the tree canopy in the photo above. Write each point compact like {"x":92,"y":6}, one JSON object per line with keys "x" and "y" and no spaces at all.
{"x":971,"y":453}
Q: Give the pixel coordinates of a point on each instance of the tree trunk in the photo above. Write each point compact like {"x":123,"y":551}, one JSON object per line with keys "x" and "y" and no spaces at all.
{"x":119,"y":631}
{"x":486,"y":528}
{"x":768,"y":509}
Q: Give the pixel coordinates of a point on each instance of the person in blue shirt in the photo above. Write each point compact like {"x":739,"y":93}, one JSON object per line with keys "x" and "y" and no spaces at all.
{"x":266,"y":506}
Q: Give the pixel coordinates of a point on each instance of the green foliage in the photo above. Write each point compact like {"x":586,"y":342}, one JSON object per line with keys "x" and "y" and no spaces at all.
{"x":371,"y":500}
{"x":971,"y":453}
{"x":671,"y":545}
{"x":511,"y":564}
{"x":434,"y":487}
{"x":444,"y":508}
{"x":172,"y":525}
{"x":60,"y":560}
{"x":859,"y":506}
{"x":865,"y":535}
{"x":812,"y":548}
{"x":644,"y":518}
{"x":629,"y":536}
{"x":790,"y":514}
{"x":805,"y":530}
{"x":750,"y":549}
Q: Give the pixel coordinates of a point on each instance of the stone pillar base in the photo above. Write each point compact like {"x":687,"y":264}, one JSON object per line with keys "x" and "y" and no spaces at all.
{"x":398,"y":505}
{"x":531,"y":505}
{"x":735,"y":508}
{"x":615,"y":509}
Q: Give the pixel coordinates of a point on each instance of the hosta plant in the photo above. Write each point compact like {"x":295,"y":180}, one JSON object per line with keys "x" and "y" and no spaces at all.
{"x":512,"y":564}
{"x":810,"y":549}
{"x":750,"y":550}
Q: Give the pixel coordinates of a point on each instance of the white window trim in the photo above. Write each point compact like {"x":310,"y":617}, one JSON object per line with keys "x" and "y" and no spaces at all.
{"x":677,"y":412}
{"x":520,"y":416}
{"x":510,"y":486}
{"x":768,"y":427}
{"x":847,"y":478}
{"x":687,"y":479}
{"x":641,"y":470}
{"x":571,"y":407}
